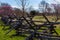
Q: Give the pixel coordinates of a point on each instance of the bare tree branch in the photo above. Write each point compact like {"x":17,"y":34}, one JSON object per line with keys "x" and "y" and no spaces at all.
{"x":24,"y":4}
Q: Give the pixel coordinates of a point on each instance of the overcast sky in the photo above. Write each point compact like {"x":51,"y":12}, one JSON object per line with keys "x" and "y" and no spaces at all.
{"x":34,"y":3}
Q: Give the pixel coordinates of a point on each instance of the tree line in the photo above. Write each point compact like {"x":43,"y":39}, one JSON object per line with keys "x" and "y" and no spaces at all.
{"x":43,"y":7}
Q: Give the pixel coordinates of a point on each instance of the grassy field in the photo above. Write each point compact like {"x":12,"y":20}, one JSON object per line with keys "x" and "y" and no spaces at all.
{"x":8,"y":37}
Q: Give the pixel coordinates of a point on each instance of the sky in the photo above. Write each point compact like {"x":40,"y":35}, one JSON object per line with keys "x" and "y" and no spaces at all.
{"x":33,"y":3}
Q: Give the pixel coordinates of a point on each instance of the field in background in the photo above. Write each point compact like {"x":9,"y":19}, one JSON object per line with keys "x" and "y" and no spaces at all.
{"x":51,"y":18}
{"x":8,"y":37}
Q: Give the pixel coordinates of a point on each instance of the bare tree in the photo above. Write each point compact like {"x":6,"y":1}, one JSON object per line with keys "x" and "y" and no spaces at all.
{"x":49,"y":9}
{"x":44,"y":5}
{"x":24,"y":4}
{"x":56,"y":8}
